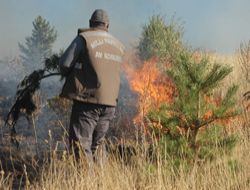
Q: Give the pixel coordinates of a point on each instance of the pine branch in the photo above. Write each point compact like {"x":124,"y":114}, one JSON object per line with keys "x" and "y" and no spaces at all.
{"x":187,"y":66}
{"x":215,"y":118}
{"x":25,"y":91}
{"x":217,"y":74}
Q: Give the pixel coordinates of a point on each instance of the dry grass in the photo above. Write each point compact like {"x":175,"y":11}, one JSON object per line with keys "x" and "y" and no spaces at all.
{"x":225,"y":172}
{"x":222,"y":173}
{"x":141,"y":174}
{"x":5,"y":181}
{"x":237,"y":76}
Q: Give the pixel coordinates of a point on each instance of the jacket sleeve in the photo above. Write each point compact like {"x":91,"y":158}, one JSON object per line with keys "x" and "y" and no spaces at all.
{"x":71,"y":55}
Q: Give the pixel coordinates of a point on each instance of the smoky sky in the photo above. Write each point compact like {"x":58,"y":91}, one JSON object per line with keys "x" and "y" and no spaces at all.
{"x":216,"y":25}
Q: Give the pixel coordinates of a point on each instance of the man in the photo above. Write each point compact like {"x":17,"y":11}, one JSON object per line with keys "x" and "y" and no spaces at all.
{"x":92,"y":66}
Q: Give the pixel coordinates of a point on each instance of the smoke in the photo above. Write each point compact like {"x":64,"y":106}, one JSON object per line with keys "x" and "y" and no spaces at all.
{"x":35,"y":131}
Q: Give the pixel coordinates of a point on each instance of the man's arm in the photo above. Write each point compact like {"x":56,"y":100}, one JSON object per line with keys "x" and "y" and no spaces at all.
{"x":71,"y":55}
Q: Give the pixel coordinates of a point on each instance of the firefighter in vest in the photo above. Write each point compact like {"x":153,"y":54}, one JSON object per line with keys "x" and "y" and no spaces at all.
{"x":92,"y":66}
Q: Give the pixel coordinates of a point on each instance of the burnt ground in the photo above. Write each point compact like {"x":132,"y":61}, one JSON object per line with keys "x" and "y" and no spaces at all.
{"x":35,"y":140}
{"x":29,"y":157}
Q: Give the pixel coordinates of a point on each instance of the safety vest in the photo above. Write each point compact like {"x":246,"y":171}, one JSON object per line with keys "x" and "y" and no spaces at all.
{"x":97,"y":80}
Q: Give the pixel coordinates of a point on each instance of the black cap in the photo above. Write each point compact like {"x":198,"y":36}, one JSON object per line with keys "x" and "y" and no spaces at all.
{"x":99,"y":15}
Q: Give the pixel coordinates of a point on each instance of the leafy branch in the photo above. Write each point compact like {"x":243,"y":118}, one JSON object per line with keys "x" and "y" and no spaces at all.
{"x":24,"y":102}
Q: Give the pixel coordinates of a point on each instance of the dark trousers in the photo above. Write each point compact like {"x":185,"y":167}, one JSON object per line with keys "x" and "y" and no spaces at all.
{"x":88,"y":125}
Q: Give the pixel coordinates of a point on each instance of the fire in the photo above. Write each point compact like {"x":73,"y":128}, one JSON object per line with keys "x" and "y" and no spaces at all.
{"x":207,"y":115}
{"x":152,"y":86}
{"x":216,"y":101}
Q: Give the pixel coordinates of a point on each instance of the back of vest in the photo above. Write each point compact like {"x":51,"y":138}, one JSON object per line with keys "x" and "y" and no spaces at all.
{"x":105,"y":56}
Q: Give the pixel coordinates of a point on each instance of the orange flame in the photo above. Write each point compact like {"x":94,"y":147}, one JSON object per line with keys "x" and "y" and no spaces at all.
{"x":152,"y":86}
{"x":215,"y":100}
{"x":155,"y":88}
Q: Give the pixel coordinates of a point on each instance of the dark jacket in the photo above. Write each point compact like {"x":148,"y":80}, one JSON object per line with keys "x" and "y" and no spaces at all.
{"x":94,"y":75}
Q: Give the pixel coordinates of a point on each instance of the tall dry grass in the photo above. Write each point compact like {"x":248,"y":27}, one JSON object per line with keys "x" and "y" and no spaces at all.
{"x":138,"y":172}
{"x":225,"y":172}
{"x":237,"y":76}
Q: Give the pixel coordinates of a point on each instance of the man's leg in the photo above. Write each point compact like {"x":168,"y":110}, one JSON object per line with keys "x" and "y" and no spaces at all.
{"x":82,"y":124}
{"x":107,"y":114}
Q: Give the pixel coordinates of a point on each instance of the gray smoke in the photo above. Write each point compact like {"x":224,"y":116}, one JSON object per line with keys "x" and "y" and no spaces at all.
{"x":35,"y":131}
{"x":49,"y":128}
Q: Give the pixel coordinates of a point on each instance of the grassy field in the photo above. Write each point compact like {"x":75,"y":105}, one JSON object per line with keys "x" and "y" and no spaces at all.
{"x":225,"y":172}
{"x":137,"y":171}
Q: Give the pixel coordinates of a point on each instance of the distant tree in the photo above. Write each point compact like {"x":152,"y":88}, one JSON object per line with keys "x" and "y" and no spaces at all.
{"x":38,"y":46}
{"x":161,"y":40}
